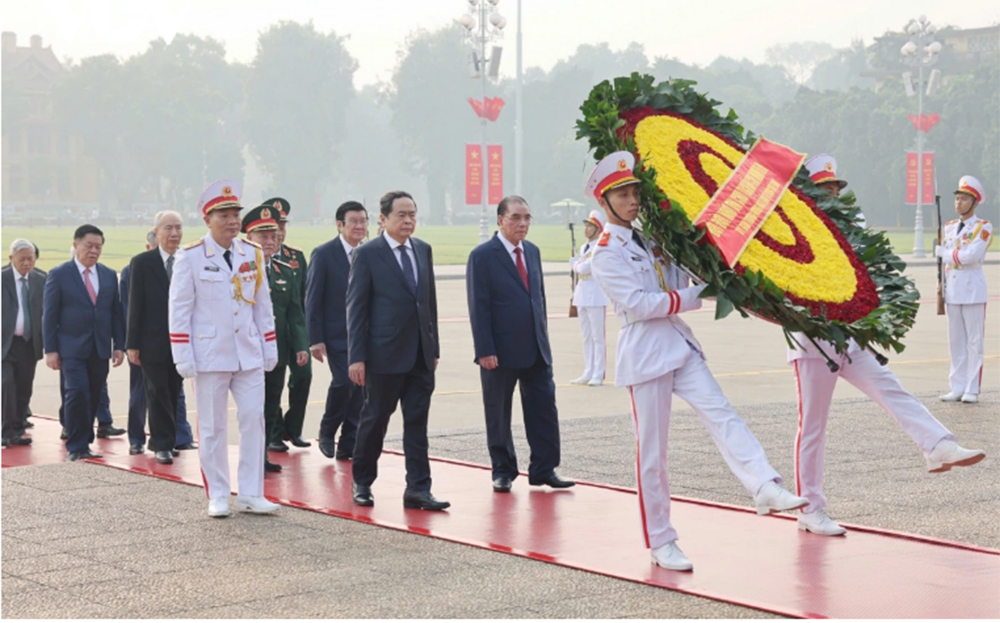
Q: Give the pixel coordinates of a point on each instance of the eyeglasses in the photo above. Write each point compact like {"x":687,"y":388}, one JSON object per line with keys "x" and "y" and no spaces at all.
{"x":356,"y":222}
{"x":517,"y":218}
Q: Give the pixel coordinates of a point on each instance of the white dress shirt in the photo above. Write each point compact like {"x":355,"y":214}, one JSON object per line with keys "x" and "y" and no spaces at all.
{"x":93,"y":276}
{"x":165,"y":256}
{"x":19,"y":323}
{"x":507,"y":244}
{"x":409,"y":247}
{"x":349,"y":250}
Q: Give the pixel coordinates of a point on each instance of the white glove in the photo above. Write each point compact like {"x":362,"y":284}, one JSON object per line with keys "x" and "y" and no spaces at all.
{"x":940,"y":251}
{"x":187,"y":369}
{"x":269,"y":363}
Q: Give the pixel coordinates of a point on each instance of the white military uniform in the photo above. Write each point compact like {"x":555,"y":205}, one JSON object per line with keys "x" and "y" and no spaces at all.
{"x":658,"y":356}
{"x":814,"y":384}
{"x":591,"y":307}
{"x":221,"y":319}
{"x":963,"y":252}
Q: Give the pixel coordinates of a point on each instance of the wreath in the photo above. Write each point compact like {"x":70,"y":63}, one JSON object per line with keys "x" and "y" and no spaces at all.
{"x":809,"y":268}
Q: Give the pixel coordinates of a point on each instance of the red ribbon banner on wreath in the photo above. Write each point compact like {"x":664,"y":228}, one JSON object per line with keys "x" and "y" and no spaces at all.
{"x":738,"y":209}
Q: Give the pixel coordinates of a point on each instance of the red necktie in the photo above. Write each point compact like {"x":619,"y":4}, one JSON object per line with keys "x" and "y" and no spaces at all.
{"x":520,"y":267}
{"x":90,"y":286}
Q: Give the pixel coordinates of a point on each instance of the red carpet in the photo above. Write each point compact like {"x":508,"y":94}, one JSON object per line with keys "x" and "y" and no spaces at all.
{"x":763,"y":563}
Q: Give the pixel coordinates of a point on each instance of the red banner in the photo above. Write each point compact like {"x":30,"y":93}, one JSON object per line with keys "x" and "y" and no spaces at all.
{"x":738,"y":209}
{"x":924,"y":123}
{"x":473,"y":175}
{"x":911,"y":178}
{"x":495,"y":169}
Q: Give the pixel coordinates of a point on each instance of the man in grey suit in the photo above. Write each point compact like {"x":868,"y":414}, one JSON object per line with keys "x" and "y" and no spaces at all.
{"x":23,"y":289}
{"x":393,"y":349}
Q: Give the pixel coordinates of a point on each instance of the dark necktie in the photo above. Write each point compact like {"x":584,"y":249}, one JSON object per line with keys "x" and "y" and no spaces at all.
{"x":638,"y":240}
{"x":407,"y":269}
{"x":520,"y":267}
{"x":228,"y":255}
{"x":961,"y":224}
{"x":170,"y":268}
{"x":25,"y":309}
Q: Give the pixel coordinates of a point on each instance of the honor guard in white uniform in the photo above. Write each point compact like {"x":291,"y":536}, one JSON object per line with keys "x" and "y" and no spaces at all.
{"x":966,"y":240}
{"x":591,"y":306}
{"x":814,"y":384}
{"x":658,"y":356}
{"x":222,"y":335}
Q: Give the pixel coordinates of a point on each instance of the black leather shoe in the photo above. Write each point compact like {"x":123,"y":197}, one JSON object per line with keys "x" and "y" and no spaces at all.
{"x":4,"y":443}
{"x":502,"y":484}
{"x":108,"y":430}
{"x":29,"y":424}
{"x":164,"y":457}
{"x":64,"y":435}
{"x":344,"y":456}
{"x":277,"y":446}
{"x":363,"y":495}
{"x":423,"y":500}
{"x":270,"y":467}
{"x":186,"y":446}
{"x":299,"y":442}
{"x":327,"y":447}
{"x":86,"y":454}
{"x":553,"y":481}
{"x":136,"y":448}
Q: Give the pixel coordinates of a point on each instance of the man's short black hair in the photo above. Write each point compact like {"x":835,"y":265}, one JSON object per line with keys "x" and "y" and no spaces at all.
{"x":83,"y":230}
{"x":349,"y":206}
{"x":37,"y":252}
{"x":385,"y":203}
{"x":506,"y":201}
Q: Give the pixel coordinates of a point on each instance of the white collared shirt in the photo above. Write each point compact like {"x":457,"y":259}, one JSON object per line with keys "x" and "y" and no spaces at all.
{"x":396,"y":252}
{"x":165,"y":256}
{"x":510,"y":250}
{"x":19,"y":323}
{"x":349,"y":250}
{"x":232,"y":250}
{"x":93,"y":275}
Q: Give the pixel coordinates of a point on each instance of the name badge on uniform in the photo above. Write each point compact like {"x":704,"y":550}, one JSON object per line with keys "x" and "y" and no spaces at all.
{"x":214,"y":269}
{"x":281,"y":282}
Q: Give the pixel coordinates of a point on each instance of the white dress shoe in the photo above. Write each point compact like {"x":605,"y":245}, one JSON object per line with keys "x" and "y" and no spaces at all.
{"x":259,"y":505}
{"x":948,"y":454}
{"x":670,"y":556}
{"x":970,"y":398}
{"x":773,"y":499}
{"x":596,"y":382}
{"x":951,"y":397}
{"x":818,"y":522}
{"x":583,"y":380}
{"x":218,"y":507}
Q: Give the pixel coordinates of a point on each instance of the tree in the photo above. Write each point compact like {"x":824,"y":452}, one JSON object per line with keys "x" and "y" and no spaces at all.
{"x":799,"y":58}
{"x":299,"y":86}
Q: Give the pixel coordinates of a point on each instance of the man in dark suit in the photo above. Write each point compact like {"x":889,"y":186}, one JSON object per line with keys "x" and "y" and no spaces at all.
{"x":171,"y":229}
{"x":508,"y":313}
{"x":326,"y":318}
{"x":82,"y":327}
{"x":392,"y":343}
{"x":23,"y":289}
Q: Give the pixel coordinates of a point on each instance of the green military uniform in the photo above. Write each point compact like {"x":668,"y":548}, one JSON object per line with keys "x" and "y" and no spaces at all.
{"x":290,"y":326}
{"x":299,"y":377}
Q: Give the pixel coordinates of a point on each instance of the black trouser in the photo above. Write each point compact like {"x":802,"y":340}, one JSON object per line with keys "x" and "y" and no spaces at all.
{"x":18,"y":379}
{"x":84,"y":381}
{"x":382,"y":393}
{"x":163,"y":388}
{"x":541,"y":419}
{"x":274,"y":386}
{"x":344,"y":401}
{"x":299,"y":382}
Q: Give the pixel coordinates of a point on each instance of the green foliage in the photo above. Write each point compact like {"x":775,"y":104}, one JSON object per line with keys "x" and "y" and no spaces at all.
{"x":749,"y":293}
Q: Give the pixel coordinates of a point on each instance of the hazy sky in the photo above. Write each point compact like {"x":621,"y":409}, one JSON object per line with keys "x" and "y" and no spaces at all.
{"x":694,"y":31}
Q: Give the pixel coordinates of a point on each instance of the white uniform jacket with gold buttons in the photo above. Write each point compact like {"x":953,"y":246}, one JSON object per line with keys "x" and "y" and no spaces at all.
{"x":648,"y":295}
{"x":587,"y":292}
{"x":221,"y":317}
{"x":965,"y":281}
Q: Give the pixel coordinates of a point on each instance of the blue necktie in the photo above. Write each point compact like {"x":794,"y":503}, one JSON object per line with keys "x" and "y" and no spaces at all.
{"x":408,"y":269}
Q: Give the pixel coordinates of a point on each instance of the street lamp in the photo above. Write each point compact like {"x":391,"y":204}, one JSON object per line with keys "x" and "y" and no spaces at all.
{"x":921,"y":51}
{"x":483,"y":24}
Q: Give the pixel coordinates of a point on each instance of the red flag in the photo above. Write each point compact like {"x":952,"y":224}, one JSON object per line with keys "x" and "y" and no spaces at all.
{"x":924,"y":123}
{"x":473,"y":174}
{"x":476,"y":106}
{"x":495,"y":168}
{"x":491,"y":108}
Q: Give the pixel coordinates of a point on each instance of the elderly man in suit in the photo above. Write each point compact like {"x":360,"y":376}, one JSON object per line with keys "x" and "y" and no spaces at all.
{"x":23,"y":289}
{"x":326,"y":318}
{"x":510,"y":330}
{"x":393,"y":348}
{"x":83,"y":327}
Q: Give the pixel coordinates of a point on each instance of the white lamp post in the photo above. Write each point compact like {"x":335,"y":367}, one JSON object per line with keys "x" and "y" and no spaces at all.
{"x":921,"y":51}
{"x":483,"y":24}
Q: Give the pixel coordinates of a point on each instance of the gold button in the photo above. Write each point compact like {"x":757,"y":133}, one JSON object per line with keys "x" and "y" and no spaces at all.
{"x":236,"y":313}
{"x":237,"y":330}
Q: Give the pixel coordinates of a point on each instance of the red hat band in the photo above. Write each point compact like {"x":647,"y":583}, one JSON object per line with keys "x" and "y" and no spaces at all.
{"x":615,"y":179}
{"x":969,"y":190}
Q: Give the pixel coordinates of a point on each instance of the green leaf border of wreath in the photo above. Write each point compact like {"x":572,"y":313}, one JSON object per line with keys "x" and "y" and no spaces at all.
{"x":751,"y":292}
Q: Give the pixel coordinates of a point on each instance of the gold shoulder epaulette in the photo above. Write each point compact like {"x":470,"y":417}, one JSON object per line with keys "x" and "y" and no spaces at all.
{"x":952,"y":221}
{"x":277,"y":261}
{"x":251,"y":242}
{"x":197,"y":243}
{"x":291,"y":248}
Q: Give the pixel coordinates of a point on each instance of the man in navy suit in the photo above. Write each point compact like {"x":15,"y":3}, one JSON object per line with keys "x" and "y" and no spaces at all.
{"x":392,"y":341}
{"x":508,"y":313}
{"x":326,"y":319}
{"x":83,"y":327}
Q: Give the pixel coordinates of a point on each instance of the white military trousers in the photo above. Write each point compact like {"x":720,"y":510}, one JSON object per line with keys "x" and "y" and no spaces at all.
{"x":651,"y":403}
{"x":592,"y":325}
{"x":212,"y":394}
{"x":814,"y":384}
{"x":966,"y":326}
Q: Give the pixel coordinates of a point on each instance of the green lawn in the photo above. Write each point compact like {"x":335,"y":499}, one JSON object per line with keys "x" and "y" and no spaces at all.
{"x":451,"y":244}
